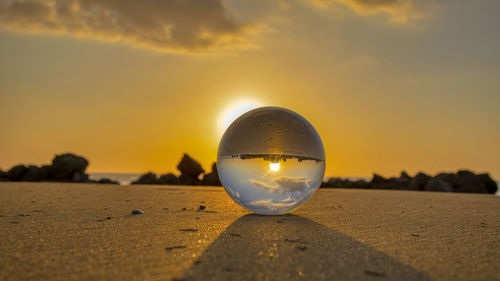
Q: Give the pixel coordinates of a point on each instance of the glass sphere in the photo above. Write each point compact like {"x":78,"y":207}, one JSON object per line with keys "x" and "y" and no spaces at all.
{"x":271,"y":160}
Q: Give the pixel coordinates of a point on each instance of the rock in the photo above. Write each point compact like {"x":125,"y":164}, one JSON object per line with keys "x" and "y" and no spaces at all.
{"x":137,"y":212}
{"x":80,"y":177}
{"x":437,"y":184}
{"x":489,"y":183}
{"x":190,"y":171}
{"x":107,"y":181}
{"x":212,"y":178}
{"x":148,"y":178}
{"x":378,"y":179}
{"x":189,"y":166}
{"x":465,"y":173}
{"x":470,"y":183}
{"x":336,"y":182}
{"x":3,"y":176}
{"x":404,"y":175}
{"x":418,"y":182}
{"x":16,"y":173}
{"x":401,"y":182}
{"x":467,"y":181}
{"x":345,"y":183}
{"x":34,"y":173}
{"x":326,"y":183}
{"x":361,"y":184}
{"x":332,"y":182}
{"x":65,"y":166}
{"x":450,"y":178}
{"x":48,"y":168}
{"x":169,"y":179}
{"x":188,"y":180}
{"x":380,"y":182}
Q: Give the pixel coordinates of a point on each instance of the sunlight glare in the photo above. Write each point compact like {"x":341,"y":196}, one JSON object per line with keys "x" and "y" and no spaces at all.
{"x":233,"y":111}
{"x":274,"y":166}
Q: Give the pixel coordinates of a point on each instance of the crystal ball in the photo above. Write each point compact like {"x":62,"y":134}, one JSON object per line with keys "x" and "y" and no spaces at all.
{"x":271,"y":160}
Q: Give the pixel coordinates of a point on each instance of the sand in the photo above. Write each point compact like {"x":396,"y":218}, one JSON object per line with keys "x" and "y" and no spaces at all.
{"x":61,"y":231}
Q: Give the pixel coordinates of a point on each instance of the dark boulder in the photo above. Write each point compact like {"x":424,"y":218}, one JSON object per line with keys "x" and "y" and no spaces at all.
{"x":418,"y":182}
{"x":345,"y":183}
{"x":437,"y":184}
{"x":34,"y":173}
{"x":80,"y":177}
{"x":212,"y":178}
{"x":65,"y":166}
{"x":338,"y":183}
{"x":465,"y":173}
{"x":3,"y":176}
{"x":361,"y":184}
{"x":185,"y":179}
{"x":148,"y":178}
{"x":376,"y":179}
{"x":16,"y":173}
{"x":106,"y":181}
{"x":469,"y":182}
{"x":169,"y":179}
{"x":379,"y":182}
{"x":489,"y":183}
{"x":450,"y":178}
{"x":190,"y":167}
{"x":333,"y":182}
{"x":327,"y":183}
{"x":404,"y":175}
{"x":47,"y":168}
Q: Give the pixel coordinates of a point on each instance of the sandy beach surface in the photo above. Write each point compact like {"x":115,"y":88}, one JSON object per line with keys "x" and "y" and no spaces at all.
{"x":58,"y":231}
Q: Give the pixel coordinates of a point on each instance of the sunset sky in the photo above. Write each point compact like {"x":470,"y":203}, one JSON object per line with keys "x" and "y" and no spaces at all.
{"x":131,"y":85}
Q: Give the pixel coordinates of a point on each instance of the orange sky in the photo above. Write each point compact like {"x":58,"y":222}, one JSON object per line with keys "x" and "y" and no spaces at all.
{"x":389,"y":85}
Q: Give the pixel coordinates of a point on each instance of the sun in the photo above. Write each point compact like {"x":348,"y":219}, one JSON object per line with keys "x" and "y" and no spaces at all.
{"x":274,"y":166}
{"x":233,"y":111}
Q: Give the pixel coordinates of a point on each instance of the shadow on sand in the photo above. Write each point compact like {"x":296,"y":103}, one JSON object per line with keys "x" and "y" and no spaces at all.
{"x":291,"y":247}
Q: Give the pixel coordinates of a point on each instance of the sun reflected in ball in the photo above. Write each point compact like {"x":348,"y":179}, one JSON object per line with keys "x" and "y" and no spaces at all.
{"x":274,"y":166}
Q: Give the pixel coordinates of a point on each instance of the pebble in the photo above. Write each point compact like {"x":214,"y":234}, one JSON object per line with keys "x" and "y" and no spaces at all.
{"x":137,"y":212}
{"x":374,"y":273}
{"x":175,"y":247}
{"x":188,"y":229}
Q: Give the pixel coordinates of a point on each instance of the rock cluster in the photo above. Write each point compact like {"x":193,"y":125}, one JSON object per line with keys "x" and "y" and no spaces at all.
{"x":64,"y":168}
{"x":191,"y":174}
{"x":462,"y":181}
{"x":212,"y":178}
{"x":71,"y":168}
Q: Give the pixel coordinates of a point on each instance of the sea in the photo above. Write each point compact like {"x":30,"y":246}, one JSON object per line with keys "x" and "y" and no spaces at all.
{"x":123,"y":179}
{"x":127,"y":179}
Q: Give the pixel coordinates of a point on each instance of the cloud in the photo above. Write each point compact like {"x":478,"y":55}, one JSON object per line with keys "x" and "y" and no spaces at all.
{"x":171,"y":25}
{"x":399,"y":11}
{"x":263,"y":184}
{"x":285,"y":184}
{"x":274,"y":205}
{"x":292,"y":184}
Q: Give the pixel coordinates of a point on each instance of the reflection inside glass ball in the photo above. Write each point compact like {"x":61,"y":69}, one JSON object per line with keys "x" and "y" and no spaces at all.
{"x":274,"y":166}
{"x":271,"y":160}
